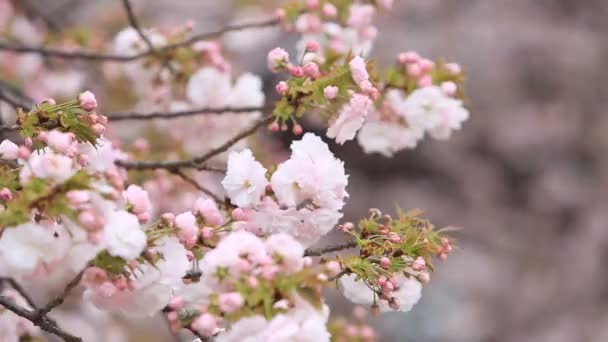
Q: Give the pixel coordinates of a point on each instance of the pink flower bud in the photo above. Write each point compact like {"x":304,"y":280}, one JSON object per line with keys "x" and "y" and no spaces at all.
{"x":419,"y":264}
{"x":88,"y":220}
{"x":295,"y":71}
{"x":88,"y":101}
{"x":330,"y":10}
{"x":425,"y":81}
{"x":143,"y":217}
{"x":6,"y":194}
{"x":333,"y":267}
{"x":98,"y":128}
{"x":312,"y":4}
{"x":274,"y":126}
{"x":172,"y":316}
{"x":385,"y":262}
{"x":311,"y":70}
{"x":394,"y":237}
{"x":280,"y":14}
{"x":240,"y":215}
{"x":312,"y":46}
{"x":352,"y":330}
{"x":29,"y":142}
{"x":277,"y":59}
{"x":9,"y":150}
{"x":409,"y":57}
{"x":177,"y":303}
{"x":381,"y":280}
{"x":209,"y":211}
{"x":449,"y":88}
{"x":77,"y":197}
{"x":388,"y":287}
{"x":426,"y":65}
{"x":94,"y":276}
{"x":207,"y":232}
{"x":424,"y":277}
{"x":103,"y":120}
{"x":367,"y":333}
{"x":230,"y":302}
{"x":330,"y":92}
{"x":297,"y":129}
{"x":394,"y":304}
{"x":281,"y":88}
{"x":252,"y":282}
{"x":168,"y":217}
{"x":23,"y":152}
{"x":138,"y":199}
{"x":413,"y":70}
{"x":121,"y":284}
{"x":453,"y":68}
{"x":205,"y":324}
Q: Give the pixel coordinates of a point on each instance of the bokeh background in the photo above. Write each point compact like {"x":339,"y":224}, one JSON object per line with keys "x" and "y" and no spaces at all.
{"x":526,"y":179}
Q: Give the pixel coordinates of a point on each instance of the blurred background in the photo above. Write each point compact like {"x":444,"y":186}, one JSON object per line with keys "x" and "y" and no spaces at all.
{"x":526,"y":179}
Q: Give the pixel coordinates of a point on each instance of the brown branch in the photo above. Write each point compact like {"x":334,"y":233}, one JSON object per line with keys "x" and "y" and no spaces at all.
{"x":93,"y":56}
{"x":194,"y":183}
{"x":15,"y":97}
{"x":60,"y":298}
{"x":135,"y":24}
{"x":17,"y":287}
{"x":329,"y":249}
{"x":42,"y":322}
{"x":182,"y":113}
{"x":197,"y":162}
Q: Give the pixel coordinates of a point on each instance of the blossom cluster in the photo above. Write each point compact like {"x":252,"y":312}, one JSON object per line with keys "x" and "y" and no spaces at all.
{"x":303,"y":197}
{"x":395,"y":260}
{"x":237,"y":262}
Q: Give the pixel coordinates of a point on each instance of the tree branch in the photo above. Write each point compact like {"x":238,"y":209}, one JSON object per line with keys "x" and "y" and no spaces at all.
{"x":17,"y":287}
{"x":135,"y":24}
{"x":42,"y":322}
{"x":329,"y":249}
{"x":194,"y":183}
{"x":117,"y":116}
{"x":197,"y":162}
{"x":15,"y":97}
{"x":60,"y":298}
{"x":92,"y":56}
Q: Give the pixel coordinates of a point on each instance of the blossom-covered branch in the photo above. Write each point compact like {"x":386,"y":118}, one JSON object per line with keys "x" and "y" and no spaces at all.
{"x":125,"y":116}
{"x":93,"y":56}
{"x":197,"y":162}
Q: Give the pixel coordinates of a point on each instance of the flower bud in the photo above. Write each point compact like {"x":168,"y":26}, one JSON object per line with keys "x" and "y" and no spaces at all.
{"x":88,"y":101}
{"x":281,"y":88}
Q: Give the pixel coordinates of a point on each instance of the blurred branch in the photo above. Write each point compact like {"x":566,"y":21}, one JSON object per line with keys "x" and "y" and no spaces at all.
{"x":61,"y":298}
{"x":33,"y":11}
{"x":15,"y":97}
{"x":135,"y":24}
{"x":93,"y":56}
{"x":329,"y":249}
{"x":194,"y":183}
{"x":197,"y":162}
{"x":183,"y":113}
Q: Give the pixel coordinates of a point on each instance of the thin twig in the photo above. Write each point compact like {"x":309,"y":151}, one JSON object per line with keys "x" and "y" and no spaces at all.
{"x":14,"y":97}
{"x":194,"y":183}
{"x":182,"y":113}
{"x":93,"y":56}
{"x":42,"y":322}
{"x":17,"y":287}
{"x":135,"y":24}
{"x":197,"y":162}
{"x":329,"y":249}
{"x":60,"y":298}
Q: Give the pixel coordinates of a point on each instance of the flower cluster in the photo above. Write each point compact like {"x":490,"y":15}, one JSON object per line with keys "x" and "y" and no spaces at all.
{"x":258,"y":284}
{"x":303,"y":197}
{"x":394,"y":261}
{"x":355,"y":329}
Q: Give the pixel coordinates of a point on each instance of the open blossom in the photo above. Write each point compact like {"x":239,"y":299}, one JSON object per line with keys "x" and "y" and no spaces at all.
{"x":245,"y":179}
{"x":351,"y":118}
{"x":8,"y":150}
{"x":407,"y":293}
{"x":277,"y":57}
{"x":430,"y":108}
{"x":124,"y":236}
{"x":59,"y":141}
{"x":138,"y":199}
{"x":207,"y":208}
{"x":47,"y":164}
{"x":187,"y":226}
{"x":209,"y":88}
{"x":25,"y":247}
{"x":359,"y":70}
{"x":300,"y":324}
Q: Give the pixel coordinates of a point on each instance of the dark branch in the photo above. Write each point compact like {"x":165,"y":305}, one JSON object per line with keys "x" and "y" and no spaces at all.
{"x":197,"y":162}
{"x":42,"y":322}
{"x":329,"y":249}
{"x":93,"y":56}
{"x":60,"y":298}
{"x":17,"y":287}
{"x":180,"y":114}
{"x":194,"y":183}
{"x":15,"y":97}
{"x":135,"y":24}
